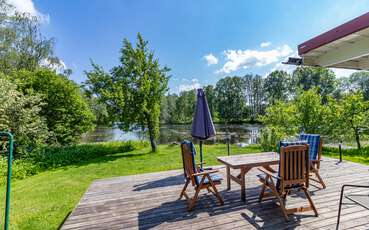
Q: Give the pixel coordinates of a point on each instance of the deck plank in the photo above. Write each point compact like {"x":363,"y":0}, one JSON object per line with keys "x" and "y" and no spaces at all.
{"x":150,"y":201}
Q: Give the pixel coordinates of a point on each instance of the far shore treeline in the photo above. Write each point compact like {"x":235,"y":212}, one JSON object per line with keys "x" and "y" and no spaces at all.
{"x":42,"y":106}
{"x":311,"y":100}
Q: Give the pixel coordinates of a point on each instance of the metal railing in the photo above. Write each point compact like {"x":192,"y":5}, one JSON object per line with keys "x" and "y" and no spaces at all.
{"x":7,"y":137}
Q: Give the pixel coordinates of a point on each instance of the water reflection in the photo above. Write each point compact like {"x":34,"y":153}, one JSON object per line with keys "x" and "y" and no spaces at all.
{"x":245,"y":133}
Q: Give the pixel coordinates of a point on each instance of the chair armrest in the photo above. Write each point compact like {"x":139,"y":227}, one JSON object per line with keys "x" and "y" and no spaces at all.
{"x":269,"y":173}
{"x":205,"y":172}
{"x":201,"y":164}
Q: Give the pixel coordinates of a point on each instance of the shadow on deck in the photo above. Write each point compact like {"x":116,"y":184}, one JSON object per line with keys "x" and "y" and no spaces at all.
{"x":151,"y":201}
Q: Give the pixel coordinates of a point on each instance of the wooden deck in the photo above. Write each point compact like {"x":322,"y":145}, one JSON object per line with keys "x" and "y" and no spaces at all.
{"x":150,"y":201}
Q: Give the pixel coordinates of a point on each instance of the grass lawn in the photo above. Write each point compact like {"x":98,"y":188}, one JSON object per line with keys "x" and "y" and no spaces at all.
{"x":44,"y":200}
{"x":362,"y":158}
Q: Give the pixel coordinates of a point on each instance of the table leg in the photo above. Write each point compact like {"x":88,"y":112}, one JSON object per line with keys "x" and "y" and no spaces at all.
{"x":243,"y":183}
{"x":228,"y":178}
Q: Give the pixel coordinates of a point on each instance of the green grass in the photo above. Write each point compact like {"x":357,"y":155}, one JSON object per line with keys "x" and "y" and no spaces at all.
{"x":43,"y":201}
{"x":354,"y":155}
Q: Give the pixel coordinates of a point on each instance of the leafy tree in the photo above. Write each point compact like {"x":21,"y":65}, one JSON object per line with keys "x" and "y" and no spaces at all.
{"x":304,"y":113}
{"x":64,"y":107}
{"x":168,"y":110}
{"x":211,"y":98}
{"x":323,"y":79}
{"x":185,"y":106}
{"x":277,"y":86}
{"x":22,"y":45}
{"x":280,"y":117}
{"x":349,"y":116}
{"x":164,"y":110}
{"x":254,"y":95}
{"x":310,"y":113}
{"x":230,"y":98}
{"x":359,"y":81}
{"x":133,"y":90}
{"x":20,"y":114}
{"x":99,"y":110}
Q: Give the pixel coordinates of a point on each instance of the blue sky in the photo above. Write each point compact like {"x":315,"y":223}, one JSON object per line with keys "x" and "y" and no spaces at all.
{"x":201,"y":41}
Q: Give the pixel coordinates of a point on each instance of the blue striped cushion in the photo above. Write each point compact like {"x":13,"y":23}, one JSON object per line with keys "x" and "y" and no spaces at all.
{"x":191,"y":146}
{"x":314,"y":141}
{"x":213,"y":177}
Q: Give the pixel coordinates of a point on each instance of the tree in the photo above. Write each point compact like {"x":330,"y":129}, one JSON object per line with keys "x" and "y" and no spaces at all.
{"x":305,"y":78}
{"x":280,"y":117}
{"x":349,"y":116}
{"x":310,"y":113}
{"x":99,"y":110}
{"x":133,"y":90}
{"x":230,"y":99}
{"x":22,"y":45}
{"x":304,"y":113}
{"x":168,"y":110}
{"x":254,"y":95}
{"x":359,"y":81}
{"x":20,"y":114}
{"x":211,"y":98}
{"x":277,"y":86}
{"x":185,"y":106}
{"x":64,"y":107}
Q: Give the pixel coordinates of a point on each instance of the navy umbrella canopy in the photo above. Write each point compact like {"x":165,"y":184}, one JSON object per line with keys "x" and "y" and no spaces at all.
{"x":202,"y":123}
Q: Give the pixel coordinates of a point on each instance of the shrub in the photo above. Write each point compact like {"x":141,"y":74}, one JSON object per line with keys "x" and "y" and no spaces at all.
{"x":269,"y":138}
{"x":20,"y":114}
{"x":66,"y":111}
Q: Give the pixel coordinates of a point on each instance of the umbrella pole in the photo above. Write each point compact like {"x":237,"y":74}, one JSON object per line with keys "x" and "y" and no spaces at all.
{"x":228,"y":139}
{"x":200,"y":154}
{"x":228,"y":146}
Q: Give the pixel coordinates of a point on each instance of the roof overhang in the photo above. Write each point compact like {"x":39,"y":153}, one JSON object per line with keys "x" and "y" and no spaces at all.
{"x":346,"y":46}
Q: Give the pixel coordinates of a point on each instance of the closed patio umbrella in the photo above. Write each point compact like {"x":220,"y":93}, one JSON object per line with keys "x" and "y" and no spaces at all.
{"x":202,"y":123}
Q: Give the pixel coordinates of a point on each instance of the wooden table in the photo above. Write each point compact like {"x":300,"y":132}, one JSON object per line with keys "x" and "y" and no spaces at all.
{"x":244,"y":163}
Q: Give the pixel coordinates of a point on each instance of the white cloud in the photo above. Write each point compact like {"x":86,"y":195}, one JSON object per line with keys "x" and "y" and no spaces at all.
{"x":27,"y":6}
{"x":193,"y":84}
{"x":265,"y":44}
{"x":342,"y":72}
{"x":237,"y":59}
{"x":211,"y":59}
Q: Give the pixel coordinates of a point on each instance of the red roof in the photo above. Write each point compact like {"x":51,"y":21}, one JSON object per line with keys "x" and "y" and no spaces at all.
{"x":334,"y":34}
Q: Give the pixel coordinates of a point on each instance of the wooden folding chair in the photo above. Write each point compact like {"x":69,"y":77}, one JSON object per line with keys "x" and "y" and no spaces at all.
{"x":200,"y":179}
{"x":315,"y":142}
{"x":293,"y":175}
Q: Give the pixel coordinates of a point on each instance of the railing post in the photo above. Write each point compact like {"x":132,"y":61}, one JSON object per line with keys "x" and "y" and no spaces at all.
{"x":9,"y":136}
{"x":340,"y":150}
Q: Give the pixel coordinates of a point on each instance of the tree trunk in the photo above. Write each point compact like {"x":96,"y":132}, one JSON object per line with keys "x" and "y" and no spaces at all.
{"x":152,"y":139}
{"x":357,"y":138}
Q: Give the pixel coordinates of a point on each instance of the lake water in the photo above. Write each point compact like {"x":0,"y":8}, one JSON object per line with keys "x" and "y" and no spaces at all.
{"x":245,"y":133}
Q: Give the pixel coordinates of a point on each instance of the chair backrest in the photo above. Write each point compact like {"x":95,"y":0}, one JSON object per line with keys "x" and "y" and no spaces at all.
{"x":315,"y":142}
{"x":294,"y":165}
{"x":188,"y":158}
